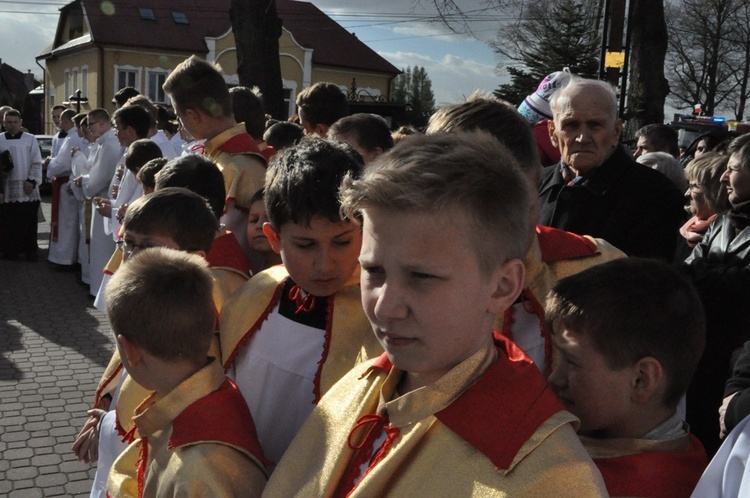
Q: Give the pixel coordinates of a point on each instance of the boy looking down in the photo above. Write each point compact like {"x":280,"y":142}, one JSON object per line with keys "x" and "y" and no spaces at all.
{"x":623,"y":360}
{"x":292,"y":331}
{"x":451,"y":409}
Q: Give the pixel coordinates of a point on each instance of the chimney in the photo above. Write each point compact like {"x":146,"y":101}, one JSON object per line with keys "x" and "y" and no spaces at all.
{"x":28,"y":80}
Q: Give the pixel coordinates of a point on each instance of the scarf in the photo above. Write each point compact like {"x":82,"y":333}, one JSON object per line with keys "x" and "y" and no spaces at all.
{"x":695,"y":229}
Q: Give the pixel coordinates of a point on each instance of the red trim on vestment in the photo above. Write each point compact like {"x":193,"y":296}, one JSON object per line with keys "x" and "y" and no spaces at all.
{"x":557,"y":245}
{"x":532,"y":306}
{"x":227,"y":252}
{"x":657,"y":475}
{"x":268,"y":152}
{"x":326,"y":348}
{"x":366,"y":451}
{"x":242,"y":143}
{"x":126,"y":437}
{"x":221,"y":416}
{"x":57,"y":183}
{"x":503,"y":409}
{"x":98,"y":395}
{"x":382,"y":363}
{"x":142,"y":463}
{"x":256,"y":326}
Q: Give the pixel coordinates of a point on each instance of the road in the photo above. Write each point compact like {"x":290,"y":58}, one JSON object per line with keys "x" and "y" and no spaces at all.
{"x":53,"y":348}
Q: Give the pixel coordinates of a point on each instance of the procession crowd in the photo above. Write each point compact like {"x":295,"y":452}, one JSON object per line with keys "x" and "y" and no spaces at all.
{"x":510,"y":302}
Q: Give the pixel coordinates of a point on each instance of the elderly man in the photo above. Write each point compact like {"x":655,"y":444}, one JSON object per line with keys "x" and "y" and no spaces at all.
{"x":657,"y":138}
{"x":597,"y":189}
{"x":19,"y":195}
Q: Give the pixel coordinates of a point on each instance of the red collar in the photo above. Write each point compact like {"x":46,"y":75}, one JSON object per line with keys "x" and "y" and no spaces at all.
{"x":654,"y":474}
{"x":557,"y":244}
{"x":222,"y":416}
{"x":240,"y":144}
{"x":227,"y":252}
{"x":503,"y":409}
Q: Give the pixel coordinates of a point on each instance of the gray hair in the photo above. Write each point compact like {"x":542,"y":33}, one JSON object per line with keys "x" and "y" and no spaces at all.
{"x":577,"y":85}
{"x":667,"y":165}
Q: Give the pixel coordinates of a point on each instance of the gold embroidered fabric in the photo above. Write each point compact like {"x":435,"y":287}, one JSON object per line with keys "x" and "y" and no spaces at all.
{"x":427,"y":459}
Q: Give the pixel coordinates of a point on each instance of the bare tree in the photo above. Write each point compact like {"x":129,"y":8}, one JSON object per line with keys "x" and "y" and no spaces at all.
{"x":742,"y":47}
{"x":647,"y":66}
{"x":257,"y":28}
{"x":702,"y":59}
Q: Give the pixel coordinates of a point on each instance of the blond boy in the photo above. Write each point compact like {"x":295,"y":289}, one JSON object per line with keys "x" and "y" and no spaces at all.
{"x":628,"y":335}
{"x":451,"y":409}
{"x":197,"y":437}
{"x":201,"y":100}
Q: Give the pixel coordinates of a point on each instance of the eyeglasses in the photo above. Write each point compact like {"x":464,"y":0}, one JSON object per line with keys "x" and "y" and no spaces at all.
{"x":91,"y":123}
{"x":128,"y":248}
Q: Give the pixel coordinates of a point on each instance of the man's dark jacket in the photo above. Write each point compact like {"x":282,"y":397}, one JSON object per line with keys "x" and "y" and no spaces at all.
{"x":631,"y":206}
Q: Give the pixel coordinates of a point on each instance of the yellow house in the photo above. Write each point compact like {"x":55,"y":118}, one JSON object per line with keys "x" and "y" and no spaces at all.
{"x":103,"y":46}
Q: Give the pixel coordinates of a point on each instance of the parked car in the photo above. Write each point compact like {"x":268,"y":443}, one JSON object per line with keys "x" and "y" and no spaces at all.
{"x":45,"y":146}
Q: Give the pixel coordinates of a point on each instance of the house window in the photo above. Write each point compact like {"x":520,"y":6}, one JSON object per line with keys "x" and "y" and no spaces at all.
{"x":155,"y":79}
{"x":179,"y":17}
{"x":84,"y":81}
{"x":74,"y":85}
{"x":126,"y":77}
{"x":67,"y":84}
{"x":287,"y":92}
{"x":147,"y":13}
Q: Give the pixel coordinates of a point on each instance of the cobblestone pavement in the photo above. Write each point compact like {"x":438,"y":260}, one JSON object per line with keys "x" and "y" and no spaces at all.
{"x":53,"y":348}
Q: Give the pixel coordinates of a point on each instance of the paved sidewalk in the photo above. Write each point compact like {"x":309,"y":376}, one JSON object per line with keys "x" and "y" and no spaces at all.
{"x":53,"y":348}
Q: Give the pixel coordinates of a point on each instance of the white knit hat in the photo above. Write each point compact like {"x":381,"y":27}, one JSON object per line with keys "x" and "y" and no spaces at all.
{"x":536,"y":106}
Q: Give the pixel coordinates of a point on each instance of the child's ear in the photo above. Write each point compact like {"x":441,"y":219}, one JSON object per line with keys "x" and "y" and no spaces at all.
{"x":133,"y":353}
{"x":193,"y":115}
{"x":649,"y":380}
{"x":321,"y":130}
{"x":202,"y":254}
{"x":508,"y":281}
{"x":273,"y":237}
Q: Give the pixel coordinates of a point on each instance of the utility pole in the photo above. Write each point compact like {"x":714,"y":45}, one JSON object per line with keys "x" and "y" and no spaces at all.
{"x":614,"y":52}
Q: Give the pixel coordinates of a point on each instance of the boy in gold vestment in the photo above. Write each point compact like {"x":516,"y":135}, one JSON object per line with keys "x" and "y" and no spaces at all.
{"x":197,"y":437}
{"x":451,"y":409}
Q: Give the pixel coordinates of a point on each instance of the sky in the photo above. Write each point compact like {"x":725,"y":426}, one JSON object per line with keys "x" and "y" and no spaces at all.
{"x":405,"y":32}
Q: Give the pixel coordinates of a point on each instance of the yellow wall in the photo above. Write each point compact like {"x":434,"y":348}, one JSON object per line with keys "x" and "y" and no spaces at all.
{"x":100,"y":93}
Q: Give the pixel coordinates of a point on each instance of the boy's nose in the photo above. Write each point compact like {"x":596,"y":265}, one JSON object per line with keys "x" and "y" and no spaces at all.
{"x":324,"y":263}
{"x":390,"y":304}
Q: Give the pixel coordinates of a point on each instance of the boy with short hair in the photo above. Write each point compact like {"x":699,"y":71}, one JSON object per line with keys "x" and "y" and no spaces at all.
{"x":201,"y":100}
{"x":229,"y":265}
{"x":623,"y":360}
{"x":451,"y":409}
{"x":175,"y":218}
{"x":367,"y":133}
{"x":553,"y":254}
{"x":256,"y":219}
{"x":321,"y":105}
{"x":292,"y":331}
{"x":162,"y":316}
